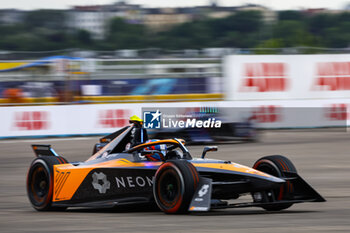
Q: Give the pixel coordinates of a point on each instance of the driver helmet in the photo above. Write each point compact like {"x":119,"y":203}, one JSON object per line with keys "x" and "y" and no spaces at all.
{"x":135,"y":119}
{"x":155,"y":156}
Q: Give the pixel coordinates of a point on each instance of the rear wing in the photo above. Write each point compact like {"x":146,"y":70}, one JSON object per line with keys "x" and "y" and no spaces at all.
{"x":43,"y":150}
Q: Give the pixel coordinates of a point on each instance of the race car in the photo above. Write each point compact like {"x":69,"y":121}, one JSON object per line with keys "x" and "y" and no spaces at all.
{"x":177,"y":183}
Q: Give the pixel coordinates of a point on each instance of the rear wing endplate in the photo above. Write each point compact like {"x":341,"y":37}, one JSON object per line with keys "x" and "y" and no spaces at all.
{"x":43,"y":150}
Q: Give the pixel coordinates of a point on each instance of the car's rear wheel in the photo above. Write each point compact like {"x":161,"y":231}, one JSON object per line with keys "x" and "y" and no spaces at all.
{"x":174,"y":186}
{"x":277,"y":165}
{"x":40,"y":182}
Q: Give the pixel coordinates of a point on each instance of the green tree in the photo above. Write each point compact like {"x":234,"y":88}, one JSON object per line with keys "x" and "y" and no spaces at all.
{"x":123,"y":35}
{"x":52,"y":19}
{"x":45,"y":30}
{"x":292,"y":33}
{"x":84,"y":37}
{"x":291,"y":15}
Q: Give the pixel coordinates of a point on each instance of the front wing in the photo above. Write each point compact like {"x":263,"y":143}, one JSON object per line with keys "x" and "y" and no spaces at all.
{"x":303,"y":192}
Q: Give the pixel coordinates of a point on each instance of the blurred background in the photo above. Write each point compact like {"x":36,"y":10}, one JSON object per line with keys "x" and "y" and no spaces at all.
{"x":217,"y":53}
{"x":120,"y":51}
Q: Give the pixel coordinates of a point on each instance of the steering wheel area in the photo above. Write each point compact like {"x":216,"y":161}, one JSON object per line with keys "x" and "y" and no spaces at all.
{"x":173,"y":150}
{"x":173,"y":154}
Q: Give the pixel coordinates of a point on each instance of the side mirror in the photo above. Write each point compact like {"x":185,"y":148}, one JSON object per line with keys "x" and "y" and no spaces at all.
{"x":209,"y":148}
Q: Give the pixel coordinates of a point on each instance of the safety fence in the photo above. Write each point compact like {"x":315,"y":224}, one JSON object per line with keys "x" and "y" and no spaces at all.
{"x":68,"y":120}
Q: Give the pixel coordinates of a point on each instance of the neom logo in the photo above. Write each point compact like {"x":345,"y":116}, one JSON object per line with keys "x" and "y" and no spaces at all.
{"x":37,"y":120}
{"x":264,"y":77}
{"x":132,"y":182}
{"x":332,"y":76}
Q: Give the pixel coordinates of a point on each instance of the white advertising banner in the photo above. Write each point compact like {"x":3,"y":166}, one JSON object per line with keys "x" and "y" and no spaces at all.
{"x":71,"y":119}
{"x":282,"y":77}
{"x":106,"y":118}
{"x":63,"y":120}
{"x":291,"y":113}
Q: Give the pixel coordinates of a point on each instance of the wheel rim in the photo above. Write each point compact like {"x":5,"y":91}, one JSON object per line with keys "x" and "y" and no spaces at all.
{"x":169,"y":188}
{"x":39,"y":184}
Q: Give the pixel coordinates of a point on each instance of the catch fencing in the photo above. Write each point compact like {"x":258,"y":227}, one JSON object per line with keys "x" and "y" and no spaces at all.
{"x":68,"y":120}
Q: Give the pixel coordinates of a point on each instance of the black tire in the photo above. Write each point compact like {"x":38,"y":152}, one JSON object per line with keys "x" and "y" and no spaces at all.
{"x":40,"y":182}
{"x":276,"y":165}
{"x":175,"y":183}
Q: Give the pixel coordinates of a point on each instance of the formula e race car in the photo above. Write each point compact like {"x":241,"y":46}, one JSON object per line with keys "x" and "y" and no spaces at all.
{"x":176,"y":183}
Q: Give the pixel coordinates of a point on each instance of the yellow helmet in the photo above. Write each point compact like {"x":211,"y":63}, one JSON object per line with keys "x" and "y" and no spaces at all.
{"x":135,"y":118}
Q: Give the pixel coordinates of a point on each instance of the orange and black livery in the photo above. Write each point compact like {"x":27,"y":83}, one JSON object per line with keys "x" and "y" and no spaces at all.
{"x":117,"y":174}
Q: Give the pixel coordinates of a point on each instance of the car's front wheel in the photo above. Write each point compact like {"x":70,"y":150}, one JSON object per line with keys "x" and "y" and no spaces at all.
{"x":174,"y":186}
{"x":277,"y":165}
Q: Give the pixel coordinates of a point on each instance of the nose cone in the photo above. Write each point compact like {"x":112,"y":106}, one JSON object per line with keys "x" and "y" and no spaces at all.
{"x":276,"y":180}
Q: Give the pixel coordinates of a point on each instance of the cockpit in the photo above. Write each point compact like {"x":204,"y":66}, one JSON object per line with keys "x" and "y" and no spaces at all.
{"x":117,"y":145}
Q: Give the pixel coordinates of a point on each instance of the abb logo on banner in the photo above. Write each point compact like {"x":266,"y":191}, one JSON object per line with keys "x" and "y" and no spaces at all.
{"x":114,"y":118}
{"x":333,"y":76}
{"x":37,"y":120}
{"x":265,"y":77}
{"x":337,"y":112}
{"x":267,"y":114}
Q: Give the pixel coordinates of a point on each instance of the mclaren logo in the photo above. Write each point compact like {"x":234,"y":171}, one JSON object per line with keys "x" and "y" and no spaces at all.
{"x":100,"y":182}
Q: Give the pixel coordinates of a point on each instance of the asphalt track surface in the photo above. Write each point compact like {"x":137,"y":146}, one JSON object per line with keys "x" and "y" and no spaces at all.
{"x":321,"y":156}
